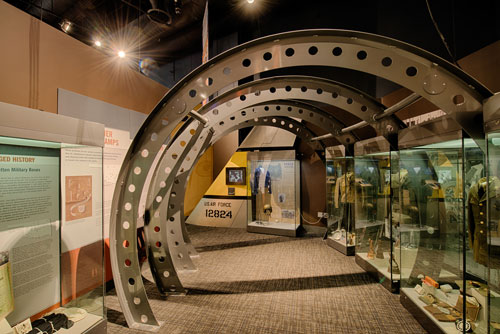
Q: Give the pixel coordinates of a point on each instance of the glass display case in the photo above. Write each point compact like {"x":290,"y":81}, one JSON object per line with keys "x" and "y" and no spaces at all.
{"x":441,"y":279}
{"x":375,"y":230}
{"x":486,"y":249}
{"x":51,"y":227}
{"x":340,"y":200}
{"x":274,"y":187}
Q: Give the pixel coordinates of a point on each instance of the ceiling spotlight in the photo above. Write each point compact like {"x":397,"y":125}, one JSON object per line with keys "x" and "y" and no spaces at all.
{"x":250,"y":1}
{"x":65,"y":25}
{"x":97,"y":43}
{"x":121,"y":54}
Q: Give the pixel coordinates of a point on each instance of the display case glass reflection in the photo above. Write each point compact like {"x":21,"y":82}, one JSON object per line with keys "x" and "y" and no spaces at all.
{"x":375,"y":165}
{"x":489,"y":256}
{"x":340,"y":194}
{"x":274,"y":205}
{"x":439,"y":197}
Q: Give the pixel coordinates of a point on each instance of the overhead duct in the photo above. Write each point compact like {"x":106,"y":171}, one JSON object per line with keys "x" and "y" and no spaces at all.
{"x":163,"y":11}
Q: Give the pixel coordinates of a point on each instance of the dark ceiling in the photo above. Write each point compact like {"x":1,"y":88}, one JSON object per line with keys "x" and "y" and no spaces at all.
{"x":466,"y":26}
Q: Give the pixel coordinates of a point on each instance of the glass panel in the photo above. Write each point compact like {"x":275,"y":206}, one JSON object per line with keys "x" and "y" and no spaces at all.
{"x":51,"y":226}
{"x":431,"y":229}
{"x":493,"y":238}
{"x":340,"y":194}
{"x":274,"y":192}
{"x":373,"y":227}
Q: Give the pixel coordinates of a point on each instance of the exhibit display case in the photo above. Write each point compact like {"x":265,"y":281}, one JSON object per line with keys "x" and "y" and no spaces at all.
{"x":441,"y":197}
{"x":51,"y":226}
{"x":340,"y":194}
{"x":375,"y":230}
{"x":486,"y":249}
{"x":274,"y":189}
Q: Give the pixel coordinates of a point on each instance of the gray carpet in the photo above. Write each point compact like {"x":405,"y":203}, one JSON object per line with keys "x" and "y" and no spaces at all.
{"x":256,"y":283}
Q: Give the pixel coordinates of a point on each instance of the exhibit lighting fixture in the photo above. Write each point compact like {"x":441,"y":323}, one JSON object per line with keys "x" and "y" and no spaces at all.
{"x":250,"y":1}
{"x":65,"y":25}
{"x":121,"y":54}
{"x":97,"y":43}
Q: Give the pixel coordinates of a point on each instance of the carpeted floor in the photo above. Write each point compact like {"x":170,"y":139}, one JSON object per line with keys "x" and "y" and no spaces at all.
{"x":255,"y":283}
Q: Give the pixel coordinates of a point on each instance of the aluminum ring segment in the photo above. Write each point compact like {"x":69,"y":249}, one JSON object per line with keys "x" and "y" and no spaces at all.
{"x":401,"y":63}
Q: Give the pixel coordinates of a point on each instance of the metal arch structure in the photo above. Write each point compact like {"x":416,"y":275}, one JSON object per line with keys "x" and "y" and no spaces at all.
{"x":307,"y":88}
{"x":168,"y":249}
{"x":436,"y":80}
{"x":341,"y":96}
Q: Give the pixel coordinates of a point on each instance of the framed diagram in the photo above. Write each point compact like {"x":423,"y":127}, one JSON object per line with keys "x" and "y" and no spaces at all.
{"x":236,"y":175}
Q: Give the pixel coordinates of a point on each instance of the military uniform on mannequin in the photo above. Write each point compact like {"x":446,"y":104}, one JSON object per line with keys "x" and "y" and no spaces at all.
{"x":261,"y":190}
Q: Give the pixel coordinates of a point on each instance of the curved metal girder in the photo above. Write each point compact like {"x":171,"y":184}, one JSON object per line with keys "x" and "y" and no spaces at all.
{"x":444,"y":85}
{"x":164,"y":232}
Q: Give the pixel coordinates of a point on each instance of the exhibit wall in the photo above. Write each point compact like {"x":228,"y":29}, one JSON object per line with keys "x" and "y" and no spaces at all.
{"x":41,"y":59}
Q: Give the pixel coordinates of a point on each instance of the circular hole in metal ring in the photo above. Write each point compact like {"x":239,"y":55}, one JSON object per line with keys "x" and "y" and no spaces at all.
{"x":161,"y":259}
{"x":243,"y":113}
{"x":157,"y":229}
{"x":137,"y":170}
{"x":386,"y":61}
{"x":192,"y":93}
{"x":288,"y":88}
{"x":131,"y":281}
{"x":166,"y":273}
{"x":337,"y":51}
{"x":361,"y":55}
{"x":144,"y":318}
{"x":458,"y":100}
{"x":364,"y":108}
{"x":127,"y":206}
{"x":128,"y":263}
{"x":180,"y":255}
{"x":313,"y":50}
{"x":349,"y":101}
{"x":137,"y":300}
{"x":411,"y":71}
{"x":131,"y":188}
{"x":144,"y":153}
{"x":303,"y":89}
{"x":272,"y":90}
{"x":267,"y":56}
{"x":215,"y":112}
{"x":266,"y":108}
{"x":232,"y":118}
{"x":221,"y":123}
{"x":246,"y":62}
{"x":319,"y":91}
{"x":158,"y":244}
{"x":289,"y":52}
{"x":243,"y":97}
{"x":171,"y":219}
{"x":125,"y":244}
{"x":154,"y":136}
{"x":278,"y":108}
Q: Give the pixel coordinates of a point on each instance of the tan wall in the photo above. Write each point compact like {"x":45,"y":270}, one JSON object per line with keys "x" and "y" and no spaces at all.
{"x":37,"y":59}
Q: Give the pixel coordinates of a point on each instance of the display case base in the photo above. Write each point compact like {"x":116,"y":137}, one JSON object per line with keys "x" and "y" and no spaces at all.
{"x":388,"y":283}
{"x":272,"y":230}
{"x":344,"y":249}
{"x":420,"y":314}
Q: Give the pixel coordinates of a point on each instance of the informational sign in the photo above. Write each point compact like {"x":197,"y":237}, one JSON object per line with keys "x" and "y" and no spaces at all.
{"x":116,"y":144}
{"x":81,"y":184}
{"x":220,"y":212}
{"x":29,"y":226}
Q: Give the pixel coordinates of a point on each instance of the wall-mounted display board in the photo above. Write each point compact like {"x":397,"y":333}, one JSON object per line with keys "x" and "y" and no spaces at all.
{"x":51,"y":217}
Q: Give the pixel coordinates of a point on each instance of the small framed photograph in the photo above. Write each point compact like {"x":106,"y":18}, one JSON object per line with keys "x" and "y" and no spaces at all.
{"x":236,"y":175}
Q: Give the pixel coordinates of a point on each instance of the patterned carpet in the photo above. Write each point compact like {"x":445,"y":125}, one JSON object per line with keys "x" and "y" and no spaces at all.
{"x":255,"y":283}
